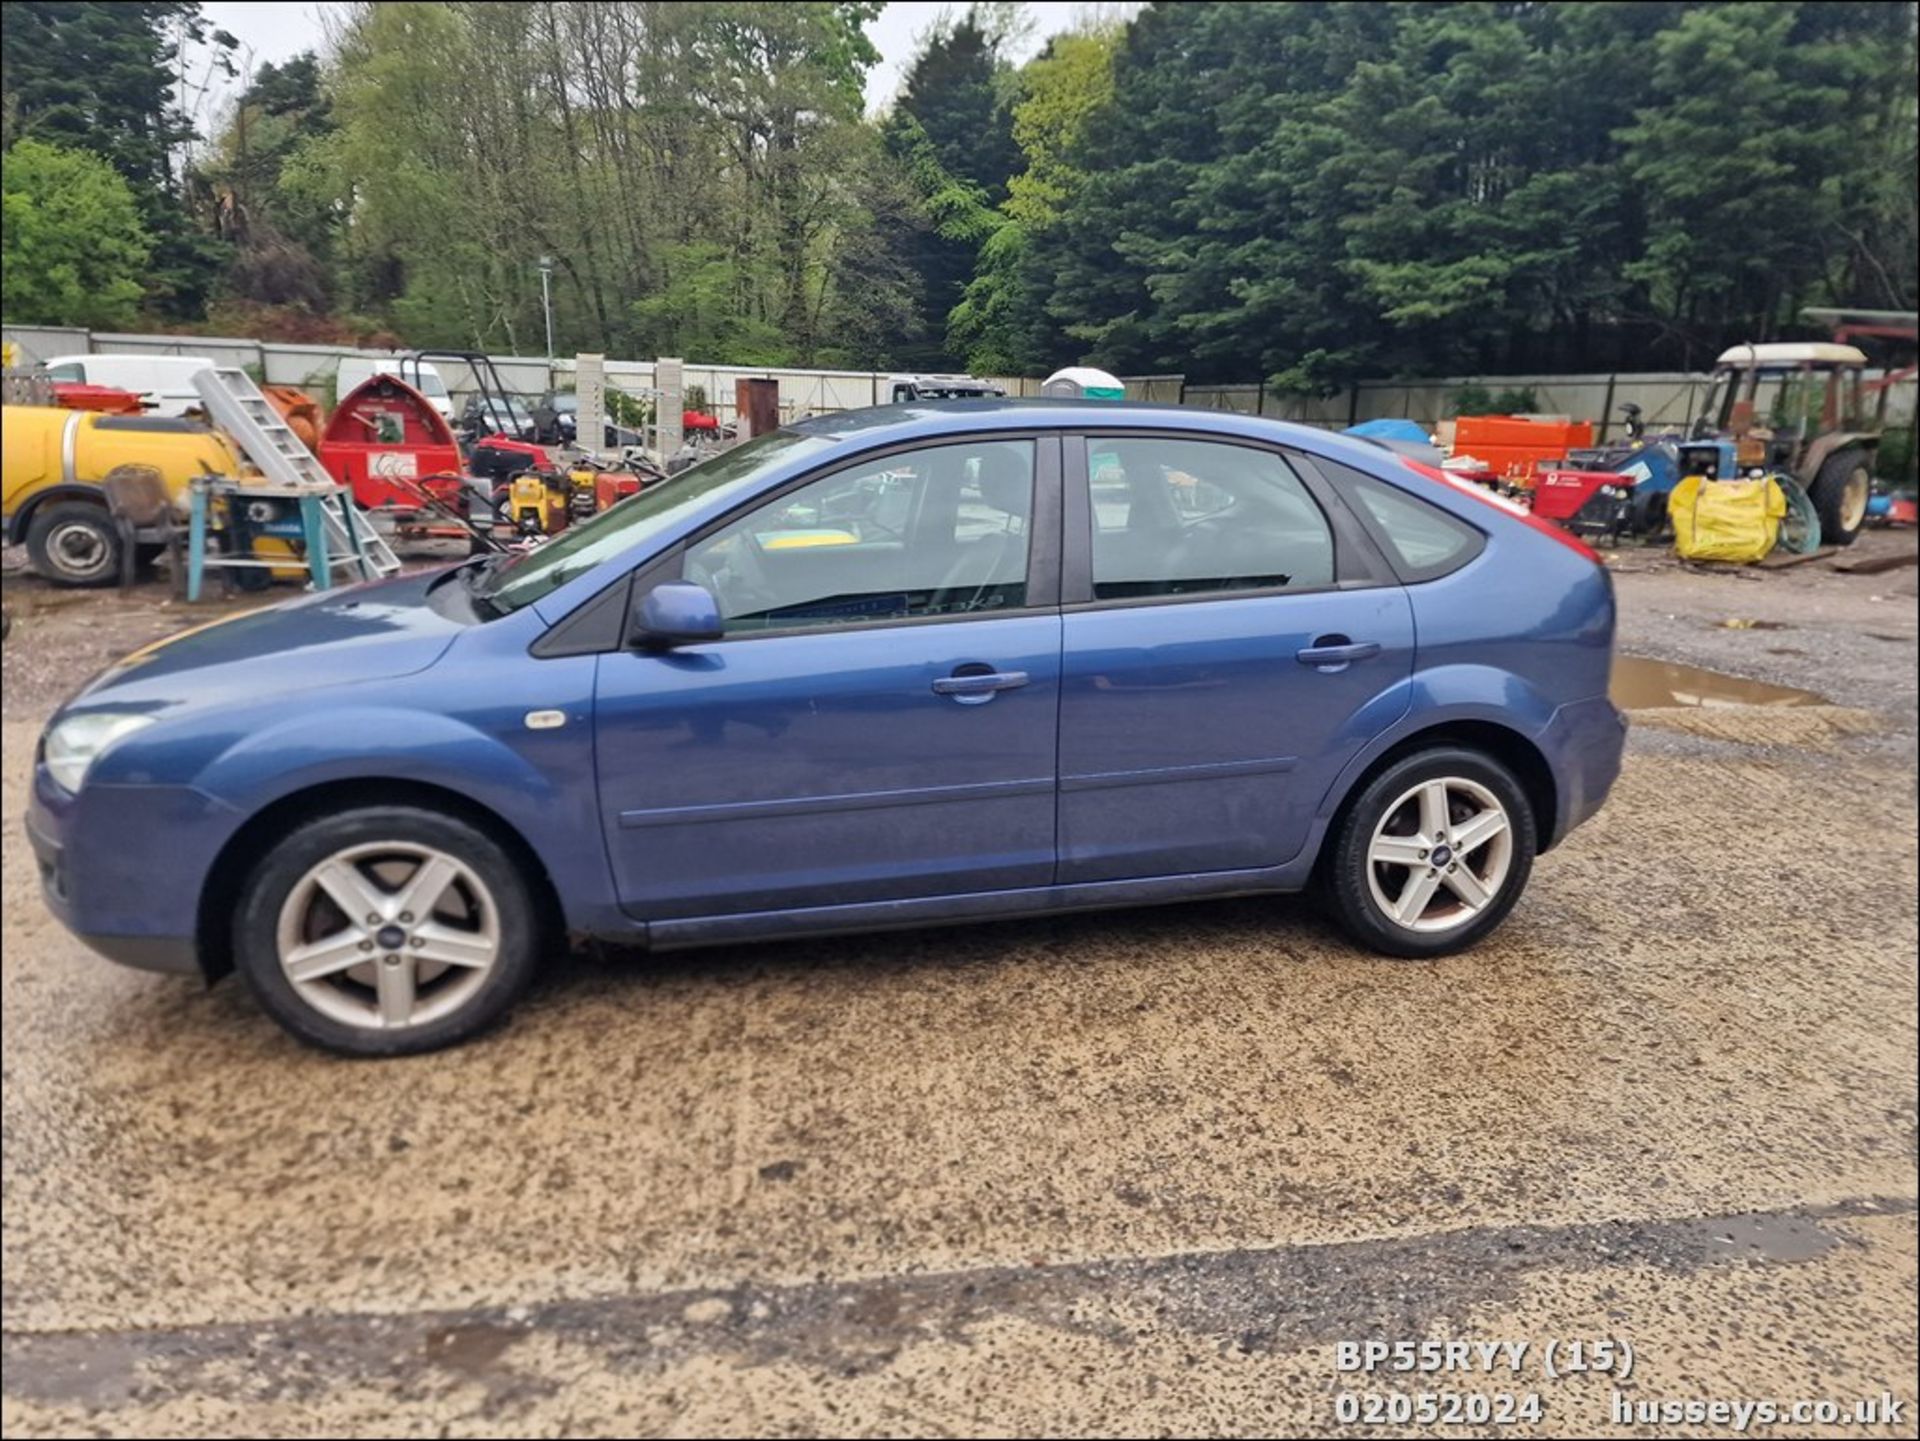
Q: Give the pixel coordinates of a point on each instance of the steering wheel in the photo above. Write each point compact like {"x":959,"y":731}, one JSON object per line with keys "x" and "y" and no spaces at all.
{"x":741,"y":583}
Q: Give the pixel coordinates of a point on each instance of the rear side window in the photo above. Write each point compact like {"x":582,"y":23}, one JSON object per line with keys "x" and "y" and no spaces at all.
{"x":1423,"y":541}
{"x":1189,"y":517}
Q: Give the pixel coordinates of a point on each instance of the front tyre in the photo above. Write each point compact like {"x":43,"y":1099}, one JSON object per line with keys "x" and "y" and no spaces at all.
{"x":386,"y":931}
{"x":1431,"y":855}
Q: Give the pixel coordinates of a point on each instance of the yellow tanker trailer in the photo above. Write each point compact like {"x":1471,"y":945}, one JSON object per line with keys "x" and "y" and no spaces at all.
{"x":55,"y":459}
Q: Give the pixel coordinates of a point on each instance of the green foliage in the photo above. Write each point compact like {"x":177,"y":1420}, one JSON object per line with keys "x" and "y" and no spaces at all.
{"x":1893,"y":459}
{"x":951,"y":132}
{"x":103,"y":77}
{"x":1752,"y":160}
{"x":731,"y":216}
{"x":73,"y":247}
{"x":1317,"y":192}
{"x":956,"y":92}
{"x":1002,"y":324}
{"x":255,"y":192}
{"x":628,"y":410}
{"x":1475,"y":399}
{"x":1308,"y":193}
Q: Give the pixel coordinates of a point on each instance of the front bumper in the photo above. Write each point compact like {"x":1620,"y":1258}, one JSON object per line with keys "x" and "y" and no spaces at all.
{"x":123,"y":867}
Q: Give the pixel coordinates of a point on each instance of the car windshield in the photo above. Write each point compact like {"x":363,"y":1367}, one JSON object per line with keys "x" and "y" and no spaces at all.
{"x":522,"y":579}
{"x":506,"y":406}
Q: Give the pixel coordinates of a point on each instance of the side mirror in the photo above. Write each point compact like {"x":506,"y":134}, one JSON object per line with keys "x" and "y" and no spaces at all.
{"x":677,"y":612}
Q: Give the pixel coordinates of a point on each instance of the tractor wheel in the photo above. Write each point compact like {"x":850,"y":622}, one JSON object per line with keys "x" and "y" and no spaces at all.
{"x":1650,"y":512}
{"x":74,"y":543}
{"x":1840,"y":492}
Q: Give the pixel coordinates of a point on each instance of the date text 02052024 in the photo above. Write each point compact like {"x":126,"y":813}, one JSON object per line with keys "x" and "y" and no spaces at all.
{"x":1553,"y":1359}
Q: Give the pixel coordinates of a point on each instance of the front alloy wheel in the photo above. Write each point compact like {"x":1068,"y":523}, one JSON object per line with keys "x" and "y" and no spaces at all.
{"x":388,"y":935}
{"x":387,"y":930}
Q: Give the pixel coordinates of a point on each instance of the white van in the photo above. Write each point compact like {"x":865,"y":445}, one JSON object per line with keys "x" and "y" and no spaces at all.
{"x":356,"y":370}
{"x":164,"y":383}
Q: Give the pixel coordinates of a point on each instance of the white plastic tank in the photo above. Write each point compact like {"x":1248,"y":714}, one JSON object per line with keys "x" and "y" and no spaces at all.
{"x":1083,"y":382}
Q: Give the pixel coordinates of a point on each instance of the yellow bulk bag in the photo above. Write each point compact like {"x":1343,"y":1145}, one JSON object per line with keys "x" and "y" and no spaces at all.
{"x":1736,"y":520}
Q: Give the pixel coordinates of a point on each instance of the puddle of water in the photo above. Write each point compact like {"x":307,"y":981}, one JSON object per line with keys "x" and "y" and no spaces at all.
{"x":1642,"y":684}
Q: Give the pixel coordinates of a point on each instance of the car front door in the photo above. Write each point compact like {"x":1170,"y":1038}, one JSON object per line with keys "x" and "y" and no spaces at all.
{"x":1231,"y":641}
{"x":880,"y":720}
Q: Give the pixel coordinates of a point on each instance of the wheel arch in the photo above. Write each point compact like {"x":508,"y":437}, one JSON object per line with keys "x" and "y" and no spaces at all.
{"x":213,"y":936}
{"x":1513,"y":749}
{"x":1825,"y":447}
{"x":22,"y":518}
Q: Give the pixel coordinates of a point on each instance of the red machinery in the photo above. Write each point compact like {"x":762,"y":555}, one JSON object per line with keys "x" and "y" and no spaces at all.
{"x":389,"y":445}
{"x":1596,"y":503}
{"x":75,"y":396}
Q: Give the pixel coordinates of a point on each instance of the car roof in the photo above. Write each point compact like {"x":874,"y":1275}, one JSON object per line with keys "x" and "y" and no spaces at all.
{"x":1792,"y":352}
{"x":933,"y":417}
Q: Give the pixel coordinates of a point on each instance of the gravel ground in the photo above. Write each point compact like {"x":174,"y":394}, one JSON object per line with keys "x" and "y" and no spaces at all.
{"x":1118,"y":1174}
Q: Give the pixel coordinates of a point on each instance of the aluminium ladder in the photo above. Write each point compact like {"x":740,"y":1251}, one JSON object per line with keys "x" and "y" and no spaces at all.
{"x":237,"y":406}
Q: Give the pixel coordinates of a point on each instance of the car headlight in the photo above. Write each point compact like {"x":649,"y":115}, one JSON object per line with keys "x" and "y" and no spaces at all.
{"x":74,"y":744}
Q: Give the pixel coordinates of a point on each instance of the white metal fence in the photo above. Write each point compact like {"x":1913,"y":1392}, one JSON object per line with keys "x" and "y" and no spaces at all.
{"x":1664,"y":398}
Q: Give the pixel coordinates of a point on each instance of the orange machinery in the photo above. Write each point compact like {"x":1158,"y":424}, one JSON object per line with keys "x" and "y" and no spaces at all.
{"x":1511,"y":446}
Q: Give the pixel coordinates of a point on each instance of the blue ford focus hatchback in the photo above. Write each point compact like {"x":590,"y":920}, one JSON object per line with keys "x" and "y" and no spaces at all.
{"x":902,"y":666}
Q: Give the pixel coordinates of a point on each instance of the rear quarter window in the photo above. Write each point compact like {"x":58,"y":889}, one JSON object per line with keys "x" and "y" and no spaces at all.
{"x":1422,"y":541}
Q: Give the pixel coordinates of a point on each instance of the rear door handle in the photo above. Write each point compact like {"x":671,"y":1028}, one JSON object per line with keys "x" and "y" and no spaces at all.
{"x":980,"y":685}
{"x":1332,"y":651}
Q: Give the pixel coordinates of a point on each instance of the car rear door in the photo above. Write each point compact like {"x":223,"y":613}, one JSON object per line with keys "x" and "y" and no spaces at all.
{"x":880,"y":721}
{"x":1231,"y":640}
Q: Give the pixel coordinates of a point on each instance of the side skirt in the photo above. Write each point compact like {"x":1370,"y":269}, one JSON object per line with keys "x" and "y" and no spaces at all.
{"x":975,"y":906}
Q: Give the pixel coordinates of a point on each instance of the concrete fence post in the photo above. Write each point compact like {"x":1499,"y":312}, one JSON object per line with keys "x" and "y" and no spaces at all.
{"x":669,"y":405}
{"x":590,"y":391}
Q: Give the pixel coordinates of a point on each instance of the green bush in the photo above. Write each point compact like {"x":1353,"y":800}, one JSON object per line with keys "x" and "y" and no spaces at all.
{"x":1472,"y":399}
{"x":628,"y":410}
{"x":72,"y":249}
{"x":1895,"y":461}
{"x":1475,"y":399}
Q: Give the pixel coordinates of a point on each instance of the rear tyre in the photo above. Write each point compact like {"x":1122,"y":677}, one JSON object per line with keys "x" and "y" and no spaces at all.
{"x":74,"y":544}
{"x":386,"y":931}
{"x":1650,"y":512}
{"x":1840,"y":493}
{"x":1431,"y":855}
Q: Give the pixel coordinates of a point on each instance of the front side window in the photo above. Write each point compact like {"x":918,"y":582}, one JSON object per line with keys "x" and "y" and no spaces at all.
{"x":68,"y":374}
{"x":933,"y":532}
{"x":519,"y":578}
{"x":1186,"y":517}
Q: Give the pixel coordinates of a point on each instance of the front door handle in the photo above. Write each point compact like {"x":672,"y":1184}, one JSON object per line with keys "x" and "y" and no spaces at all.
{"x":1336,"y":652}
{"x":979,"y":685}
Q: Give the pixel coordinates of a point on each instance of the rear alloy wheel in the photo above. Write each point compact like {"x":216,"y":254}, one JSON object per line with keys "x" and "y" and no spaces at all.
{"x":386,"y":931}
{"x":74,"y":544}
{"x":1840,"y":493}
{"x":1432,"y":854}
